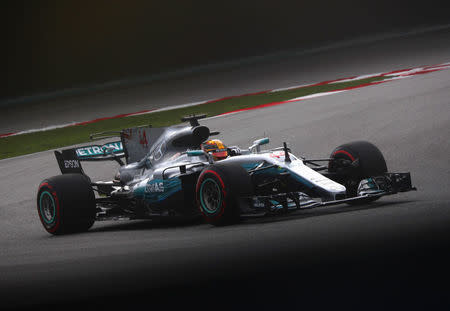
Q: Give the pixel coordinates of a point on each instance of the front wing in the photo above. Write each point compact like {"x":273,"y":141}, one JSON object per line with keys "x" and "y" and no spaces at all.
{"x":370,"y":188}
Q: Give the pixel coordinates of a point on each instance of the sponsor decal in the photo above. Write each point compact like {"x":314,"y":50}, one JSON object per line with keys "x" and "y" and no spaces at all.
{"x":143,"y":139}
{"x":156,"y":190}
{"x":155,"y":187}
{"x":71,"y":164}
{"x":277,"y":154}
{"x":96,"y":150}
{"x":258,"y":203}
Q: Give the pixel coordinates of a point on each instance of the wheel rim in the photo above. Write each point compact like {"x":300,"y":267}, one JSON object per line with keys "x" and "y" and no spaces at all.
{"x":47,"y":207}
{"x":210,"y":196}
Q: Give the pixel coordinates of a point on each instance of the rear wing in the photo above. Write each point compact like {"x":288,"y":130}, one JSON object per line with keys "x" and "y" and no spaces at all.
{"x":133,"y":145}
{"x":69,"y":160}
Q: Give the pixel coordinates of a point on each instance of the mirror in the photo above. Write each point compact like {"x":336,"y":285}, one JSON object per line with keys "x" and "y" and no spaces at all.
{"x":195,"y":153}
{"x":257,"y":143}
{"x":262,"y":141}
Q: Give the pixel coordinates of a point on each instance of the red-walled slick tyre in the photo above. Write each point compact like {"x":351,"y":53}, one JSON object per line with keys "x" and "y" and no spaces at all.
{"x":66,"y":204}
{"x":370,"y":162}
{"x":220,"y":190}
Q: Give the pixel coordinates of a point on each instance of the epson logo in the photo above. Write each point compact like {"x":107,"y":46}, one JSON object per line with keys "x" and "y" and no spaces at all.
{"x":71,"y":164}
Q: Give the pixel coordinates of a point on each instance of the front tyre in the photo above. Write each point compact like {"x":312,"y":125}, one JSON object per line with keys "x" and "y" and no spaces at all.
{"x":66,"y":204}
{"x":219,"y":191}
{"x":355,"y":161}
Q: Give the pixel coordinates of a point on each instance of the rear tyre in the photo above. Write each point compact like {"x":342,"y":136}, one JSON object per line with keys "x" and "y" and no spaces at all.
{"x":367,"y":161}
{"x":219,"y":191}
{"x":66,"y":204}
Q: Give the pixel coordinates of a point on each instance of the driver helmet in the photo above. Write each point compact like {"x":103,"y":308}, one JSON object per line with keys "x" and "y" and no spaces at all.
{"x":217,"y":148}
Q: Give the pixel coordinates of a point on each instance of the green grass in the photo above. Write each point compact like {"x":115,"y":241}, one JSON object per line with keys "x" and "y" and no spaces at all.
{"x":39,"y":141}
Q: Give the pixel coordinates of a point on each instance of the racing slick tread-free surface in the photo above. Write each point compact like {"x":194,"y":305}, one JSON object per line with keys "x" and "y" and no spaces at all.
{"x":234,"y":182}
{"x":370,"y":163}
{"x":73,"y":201}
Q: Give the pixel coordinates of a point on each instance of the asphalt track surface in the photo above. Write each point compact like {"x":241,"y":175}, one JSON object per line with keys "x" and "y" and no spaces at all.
{"x":390,"y":254}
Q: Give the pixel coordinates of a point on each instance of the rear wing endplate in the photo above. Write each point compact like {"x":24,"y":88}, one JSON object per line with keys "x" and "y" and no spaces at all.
{"x":69,"y":160}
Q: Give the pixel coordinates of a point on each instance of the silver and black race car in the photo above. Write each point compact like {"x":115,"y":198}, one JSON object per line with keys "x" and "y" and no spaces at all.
{"x":167,"y":174}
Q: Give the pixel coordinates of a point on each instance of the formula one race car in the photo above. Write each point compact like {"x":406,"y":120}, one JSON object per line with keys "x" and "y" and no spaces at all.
{"x":170,"y":173}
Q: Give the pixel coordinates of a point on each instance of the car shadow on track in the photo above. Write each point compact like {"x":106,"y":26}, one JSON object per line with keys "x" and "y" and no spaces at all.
{"x":325,"y":211}
{"x":145,"y":224}
{"x":134,"y":225}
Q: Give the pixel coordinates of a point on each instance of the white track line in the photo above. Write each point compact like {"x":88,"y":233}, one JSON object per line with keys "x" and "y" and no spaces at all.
{"x":394,"y":75}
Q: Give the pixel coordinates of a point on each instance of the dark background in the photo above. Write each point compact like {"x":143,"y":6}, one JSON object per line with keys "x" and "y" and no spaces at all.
{"x":54,"y":45}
